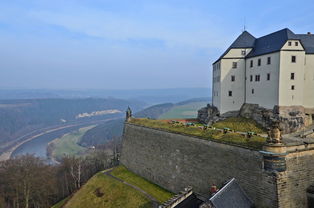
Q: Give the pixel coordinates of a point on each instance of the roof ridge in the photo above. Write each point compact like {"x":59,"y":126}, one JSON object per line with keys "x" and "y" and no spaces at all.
{"x":278,"y":31}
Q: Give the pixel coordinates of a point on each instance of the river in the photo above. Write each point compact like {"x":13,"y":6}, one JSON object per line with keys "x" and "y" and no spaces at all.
{"x":38,"y":145}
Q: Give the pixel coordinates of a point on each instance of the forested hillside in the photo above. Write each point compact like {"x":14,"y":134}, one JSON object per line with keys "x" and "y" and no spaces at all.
{"x":105,"y":132}
{"x":102,"y":133}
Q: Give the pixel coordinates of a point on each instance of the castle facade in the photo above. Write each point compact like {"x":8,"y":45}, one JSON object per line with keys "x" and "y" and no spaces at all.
{"x":273,"y":70}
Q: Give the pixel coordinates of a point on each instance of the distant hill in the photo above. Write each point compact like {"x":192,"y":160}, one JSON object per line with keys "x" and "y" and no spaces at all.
{"x":110,"y":129}
{"x":18,"y":117}
{"x":150,"y":96}
{"x":187,"y":110}
{"x":104,"y":132}
{"x":154,"y":111}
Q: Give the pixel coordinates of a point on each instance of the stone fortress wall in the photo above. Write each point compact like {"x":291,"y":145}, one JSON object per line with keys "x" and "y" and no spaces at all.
{"x":175,"y":161}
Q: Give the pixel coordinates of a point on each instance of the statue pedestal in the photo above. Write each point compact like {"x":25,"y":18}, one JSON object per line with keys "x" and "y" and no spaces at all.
{"x":275,"y":148}
{"x":274,"y":156}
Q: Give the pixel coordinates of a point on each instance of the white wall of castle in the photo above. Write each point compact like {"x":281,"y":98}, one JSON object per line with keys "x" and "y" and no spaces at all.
{"x":224,"y":84}
{"x":287,"y":95}
{"x":263,"y":92}
{"x":308,"y":96}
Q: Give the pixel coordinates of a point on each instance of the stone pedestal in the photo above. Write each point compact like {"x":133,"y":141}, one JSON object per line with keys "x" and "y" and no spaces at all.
{"x":274,"y":156}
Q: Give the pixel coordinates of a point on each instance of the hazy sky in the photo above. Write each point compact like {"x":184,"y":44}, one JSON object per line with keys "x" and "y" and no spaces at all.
{"x":131,"y":44}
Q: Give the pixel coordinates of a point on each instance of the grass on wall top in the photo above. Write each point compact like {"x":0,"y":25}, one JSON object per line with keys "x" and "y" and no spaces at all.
{"x":239,"y":124}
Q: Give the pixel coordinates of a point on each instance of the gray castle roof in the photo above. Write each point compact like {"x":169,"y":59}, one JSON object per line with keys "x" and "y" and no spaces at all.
{"x":231,"y":196}
{"x":245,"y":40}
{"x":271,"y":43}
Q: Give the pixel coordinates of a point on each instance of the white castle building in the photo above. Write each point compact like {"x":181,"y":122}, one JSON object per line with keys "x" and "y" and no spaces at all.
{"x":273,"y":70}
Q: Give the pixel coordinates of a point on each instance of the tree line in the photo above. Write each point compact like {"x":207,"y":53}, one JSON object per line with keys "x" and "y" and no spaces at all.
{"x":29,"y":182}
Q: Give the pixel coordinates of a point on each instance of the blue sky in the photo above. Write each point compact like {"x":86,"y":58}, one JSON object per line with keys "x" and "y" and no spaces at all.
{"x":115,"y":44}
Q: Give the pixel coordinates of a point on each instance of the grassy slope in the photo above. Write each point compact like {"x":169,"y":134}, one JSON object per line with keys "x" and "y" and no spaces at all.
{"x":116,"y":194}
{"x":156,"y":191}
{"x":68,"y":144}
{"x":256,"y":142}
{"x":184,"y":111}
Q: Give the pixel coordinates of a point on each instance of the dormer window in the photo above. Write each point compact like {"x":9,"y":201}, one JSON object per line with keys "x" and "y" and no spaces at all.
{"x":289,"y":43}
{"x":296,"y":43}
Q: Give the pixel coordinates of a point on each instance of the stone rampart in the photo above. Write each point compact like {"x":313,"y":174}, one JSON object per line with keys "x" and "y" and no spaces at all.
{"x":175,"y":161}
{"x":271,"y":178}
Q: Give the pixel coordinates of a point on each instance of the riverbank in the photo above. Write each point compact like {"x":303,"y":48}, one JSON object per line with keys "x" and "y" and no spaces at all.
{"x":18,"y":148}
{"x":68,"y":144}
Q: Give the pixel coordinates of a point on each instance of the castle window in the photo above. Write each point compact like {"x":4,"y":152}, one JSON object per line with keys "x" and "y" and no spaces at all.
{"x":257,"y":78}
{"x":252,"y":91}
{"x":289,"y":43}
{"x":251,"y":78}
{"x":234,"y":65}
{"x":296,"y":43}
{"x":243,"y":52}
{"x":259,"y":61}
{"x":292,"y":87}
{"x":232,"y":78}
{"x":251,"y":63}
{"x":293,"y":59}
{"x":268,"y":60}
{"x":292,"y":76}
{"x":230,"y":93}
{"x":268,"y":76}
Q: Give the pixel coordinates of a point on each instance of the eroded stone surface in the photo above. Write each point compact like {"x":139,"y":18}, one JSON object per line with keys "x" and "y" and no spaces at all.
{"x":291,"y":118}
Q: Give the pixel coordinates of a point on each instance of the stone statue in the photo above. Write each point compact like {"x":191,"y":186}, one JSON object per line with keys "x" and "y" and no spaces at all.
{"x":128,"y":115}
{"x":274,"y":134}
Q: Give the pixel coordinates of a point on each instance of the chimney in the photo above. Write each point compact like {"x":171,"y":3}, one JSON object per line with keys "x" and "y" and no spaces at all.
{"x":309,"y":33}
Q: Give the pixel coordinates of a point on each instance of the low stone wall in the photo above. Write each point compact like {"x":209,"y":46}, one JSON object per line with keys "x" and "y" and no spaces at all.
{"x":175,"y":161}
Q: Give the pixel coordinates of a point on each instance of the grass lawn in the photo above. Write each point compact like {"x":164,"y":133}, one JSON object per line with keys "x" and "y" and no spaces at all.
{"x":154,"y":190}
{"x":68,"y":143}
{"x":240,"y":124}
{"x":256,"y":142}
{"x":183,"y":111}
{"x":103,"y":191}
